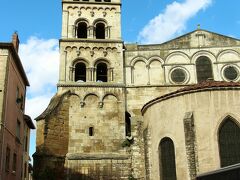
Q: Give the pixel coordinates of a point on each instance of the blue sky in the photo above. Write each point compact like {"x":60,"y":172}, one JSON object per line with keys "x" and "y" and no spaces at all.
{"x":38,"y":24}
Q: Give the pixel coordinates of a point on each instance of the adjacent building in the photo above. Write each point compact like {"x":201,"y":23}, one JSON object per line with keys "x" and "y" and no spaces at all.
{"x":129,"y":111}
{"x":15,"y":125}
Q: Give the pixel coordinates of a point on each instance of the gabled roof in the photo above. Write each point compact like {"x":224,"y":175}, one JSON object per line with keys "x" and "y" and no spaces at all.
{"x":17,"y":60}
{"x":195,"y":39}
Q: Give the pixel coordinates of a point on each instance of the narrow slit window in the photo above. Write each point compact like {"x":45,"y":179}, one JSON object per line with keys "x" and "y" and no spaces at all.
{"x":127,"y":124}
{"x":91,"y":131}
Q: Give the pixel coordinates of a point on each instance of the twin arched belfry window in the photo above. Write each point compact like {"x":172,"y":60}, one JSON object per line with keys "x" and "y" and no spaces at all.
{"x":100,"y":72}
{"x":83,"y":30}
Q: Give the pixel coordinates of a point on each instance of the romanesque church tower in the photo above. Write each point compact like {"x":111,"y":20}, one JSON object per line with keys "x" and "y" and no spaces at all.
{"x":82,"y":131}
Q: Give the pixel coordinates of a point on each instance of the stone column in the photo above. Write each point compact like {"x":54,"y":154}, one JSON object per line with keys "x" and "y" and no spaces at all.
{"x":132,"y":75}
{"x":71,"y":73}
{"x":148,"y":70}
{"x":91,"y":32}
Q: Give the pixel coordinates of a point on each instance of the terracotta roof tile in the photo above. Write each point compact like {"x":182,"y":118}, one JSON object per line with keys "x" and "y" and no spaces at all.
{"x":205,"y":85}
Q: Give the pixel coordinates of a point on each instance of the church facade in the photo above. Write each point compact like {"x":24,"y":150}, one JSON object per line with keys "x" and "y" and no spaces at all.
{"x":129,"y":111}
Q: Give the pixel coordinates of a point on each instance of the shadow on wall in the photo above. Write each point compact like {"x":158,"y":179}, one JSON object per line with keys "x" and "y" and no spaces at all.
{"x":60,"y":174}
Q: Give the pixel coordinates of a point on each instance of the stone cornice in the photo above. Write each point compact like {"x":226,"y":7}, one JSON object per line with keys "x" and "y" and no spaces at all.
{"x":90,"y":40}
{"x":82,"y":156}
{"x":105,"y":85}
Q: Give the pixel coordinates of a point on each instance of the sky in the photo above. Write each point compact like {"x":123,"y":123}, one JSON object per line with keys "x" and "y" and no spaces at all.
{"x":38,"y":24}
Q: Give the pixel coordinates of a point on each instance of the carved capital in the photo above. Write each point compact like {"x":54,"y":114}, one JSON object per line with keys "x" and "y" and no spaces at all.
{"x":100,"y":104}
{"x":82,"y":104}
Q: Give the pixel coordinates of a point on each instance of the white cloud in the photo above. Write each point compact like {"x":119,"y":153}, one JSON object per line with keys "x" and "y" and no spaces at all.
{"x":172,"y":21}
{"x":40,"y":59}
{"x":36,"y":105}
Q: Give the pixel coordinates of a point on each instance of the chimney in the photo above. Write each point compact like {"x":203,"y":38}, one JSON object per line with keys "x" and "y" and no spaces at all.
{"x":15,"y":41}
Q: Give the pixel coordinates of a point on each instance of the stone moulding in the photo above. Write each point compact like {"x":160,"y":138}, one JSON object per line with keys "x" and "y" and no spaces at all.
{"x":107,"y":85}
{"x":80,"y":156}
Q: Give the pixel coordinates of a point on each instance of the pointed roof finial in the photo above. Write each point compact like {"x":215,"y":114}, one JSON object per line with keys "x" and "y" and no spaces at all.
{"x":199,"y":26}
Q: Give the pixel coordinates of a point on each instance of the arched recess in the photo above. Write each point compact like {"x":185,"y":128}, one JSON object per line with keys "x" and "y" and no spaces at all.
{"x":177,"y":58}
{"x":81,"y":28}
{"x":80,"y":72}
{"x":127,"y":124}
{"x":204,"y":69}
{"x":156,"y":74}
{"x":100,"y":27}
{"x":140,"y":73}
{"x":102,"y":72}
{"x":228,"y":56}
{"x":167,"y":164}
{"x":229,"y":142}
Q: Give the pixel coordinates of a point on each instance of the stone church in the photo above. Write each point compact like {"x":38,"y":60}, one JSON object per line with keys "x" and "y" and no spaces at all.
{"x":127,"y":111}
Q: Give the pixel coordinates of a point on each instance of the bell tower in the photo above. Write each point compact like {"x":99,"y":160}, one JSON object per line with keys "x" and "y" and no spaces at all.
{"x":91,"y":69}
{"x":91,"y":31}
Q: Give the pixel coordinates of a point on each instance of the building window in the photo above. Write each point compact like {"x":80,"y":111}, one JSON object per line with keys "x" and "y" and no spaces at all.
{"x":18,"y":130}
{"x":14,"y":165}
{"x":178,"y":76}
{"x":204,"y":69}
{"x":82,"y":30}
{"x":91,"y":131}
{"x":26,"y":144}
{"x":102,"y":71}
{"x":100,"y":31}
{"x":25,"y":170}
{"x":7,"y":160}
{"x":229,"y":142}
{"x":231,"y":73}
{"x":167,"y":159}
{"x":127,"y":124}
{"x":80,"y":72}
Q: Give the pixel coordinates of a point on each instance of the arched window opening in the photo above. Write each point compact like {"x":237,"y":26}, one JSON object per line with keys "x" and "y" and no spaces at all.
{"x":167,"y":160}
{"x":80,"y":72}
{"x":127,"y":124}
{"x":100,"y":31}
{"x":229,"y":143}
{"x":102,"y":72}
{"x":82,"y":30}
{"x":204,"y":69}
